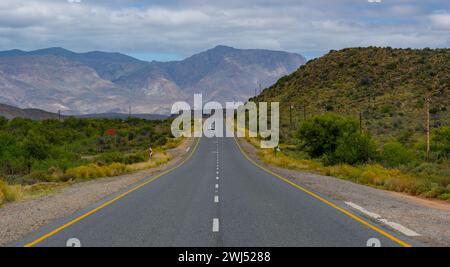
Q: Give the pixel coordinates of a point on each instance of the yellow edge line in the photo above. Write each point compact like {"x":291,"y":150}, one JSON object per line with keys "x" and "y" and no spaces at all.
{"x":39,"y":240}
{"x":393,"y":238}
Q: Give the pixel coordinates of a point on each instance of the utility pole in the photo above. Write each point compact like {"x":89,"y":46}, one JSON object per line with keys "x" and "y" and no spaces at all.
{"x":290,"y":115}
{"x":427,"y":127}
{"x":360,"y":122}
{"x":129,"y":111}
{"x":59,"y":114}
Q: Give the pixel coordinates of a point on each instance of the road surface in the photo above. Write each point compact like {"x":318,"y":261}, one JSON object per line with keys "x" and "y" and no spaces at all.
{"x":217,"y":197}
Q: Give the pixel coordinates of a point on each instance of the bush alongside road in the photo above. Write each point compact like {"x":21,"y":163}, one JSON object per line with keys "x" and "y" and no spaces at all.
{"x":39,"y":156}
{"x":333,"y":145}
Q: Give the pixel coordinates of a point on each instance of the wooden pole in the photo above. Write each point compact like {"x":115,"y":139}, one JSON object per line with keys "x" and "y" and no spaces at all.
{"x":360,"y":122}
{"x":290,"y":116}
{"x":428,"y":100}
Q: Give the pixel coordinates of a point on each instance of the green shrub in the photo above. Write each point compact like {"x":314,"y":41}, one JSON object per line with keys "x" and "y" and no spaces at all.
{"x":120,"y":157}
{"x":109,"y":157}
{"x":38,"y":176}
{"x":35,"y":146}
{"x":354,"y":148}
{"x":52,"y":174}
{"x":441,"y":141}
{"x":136,"y":157}
{"x":62,"y":163}
{"x":337,"y":139}
{"x":320,"y":135}
{"x":394,"y":154}
{"x":3,"y":122}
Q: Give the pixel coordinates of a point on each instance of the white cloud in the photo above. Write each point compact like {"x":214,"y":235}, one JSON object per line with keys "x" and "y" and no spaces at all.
{"x":441,"y":20}
{"x":188,"y":26}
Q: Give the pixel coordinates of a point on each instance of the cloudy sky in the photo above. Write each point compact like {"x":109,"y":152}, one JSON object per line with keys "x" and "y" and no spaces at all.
{"x":174,"y":29}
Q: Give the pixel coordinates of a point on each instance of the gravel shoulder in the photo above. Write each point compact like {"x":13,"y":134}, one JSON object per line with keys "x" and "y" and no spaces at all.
{"x":429,"y":218}
{"x":21,"y":218}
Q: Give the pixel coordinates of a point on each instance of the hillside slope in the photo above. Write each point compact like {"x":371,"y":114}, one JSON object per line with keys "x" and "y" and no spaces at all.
{"x":11,"y":112}
{"x":387,"y":86}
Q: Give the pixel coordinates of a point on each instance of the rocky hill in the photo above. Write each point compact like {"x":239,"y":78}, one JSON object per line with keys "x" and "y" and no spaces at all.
{"x":11,"y":112}
{"x":387,"y":86}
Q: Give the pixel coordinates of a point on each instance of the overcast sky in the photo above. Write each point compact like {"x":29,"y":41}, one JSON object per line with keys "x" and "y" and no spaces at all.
{"x":174,"y":29}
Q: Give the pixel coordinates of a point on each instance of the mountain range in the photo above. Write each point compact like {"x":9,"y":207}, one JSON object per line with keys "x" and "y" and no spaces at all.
{"x":55,"y":79}
{"x":10,"y":112}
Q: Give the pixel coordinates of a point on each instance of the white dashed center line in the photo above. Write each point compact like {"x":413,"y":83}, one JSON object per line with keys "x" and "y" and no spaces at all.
{"x":215,"y":227}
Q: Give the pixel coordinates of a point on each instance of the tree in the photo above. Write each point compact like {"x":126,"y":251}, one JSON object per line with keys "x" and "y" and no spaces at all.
{"x":35,"y":146}
{"x":20,"y":126}
{"x":3,"y":122}
{"x":319,"y":135}
{"x":337,"y":139}
{"x":11,"y":155}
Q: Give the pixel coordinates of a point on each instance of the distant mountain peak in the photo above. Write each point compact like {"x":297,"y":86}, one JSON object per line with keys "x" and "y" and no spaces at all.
{"x":103,"y":82}
{"x":13,"y":52}
{"x":223,"y":47}
{"x":52,"y":51}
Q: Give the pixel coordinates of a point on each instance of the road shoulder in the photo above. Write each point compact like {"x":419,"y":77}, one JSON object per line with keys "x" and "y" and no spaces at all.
{"x":428,"y":218}
{"x":21,"y":218}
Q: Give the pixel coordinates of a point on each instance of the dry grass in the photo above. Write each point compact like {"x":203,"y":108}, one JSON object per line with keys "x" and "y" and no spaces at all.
{"x":42,"y":189}
{"x":9,"y":193}
{"x":172,"y":143}
{"x":158,"y":159}
{"x":94,"y":171}
{"x":282,"y":160}
{"x":373,"y":175}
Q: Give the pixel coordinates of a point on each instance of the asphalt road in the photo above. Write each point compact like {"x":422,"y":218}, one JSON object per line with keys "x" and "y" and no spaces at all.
{"x":216,"y":198}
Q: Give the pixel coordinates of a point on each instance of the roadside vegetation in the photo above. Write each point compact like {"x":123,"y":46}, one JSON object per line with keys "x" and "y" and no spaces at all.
{"x":334,"y":145}
{"x":386,"y":98}
{"x":38,"y":157}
